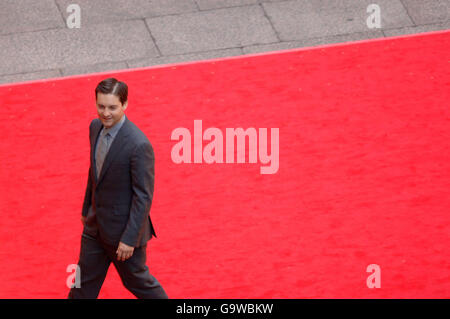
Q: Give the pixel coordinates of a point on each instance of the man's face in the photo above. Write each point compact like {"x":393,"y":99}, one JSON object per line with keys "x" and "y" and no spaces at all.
{"x":109,"y":109}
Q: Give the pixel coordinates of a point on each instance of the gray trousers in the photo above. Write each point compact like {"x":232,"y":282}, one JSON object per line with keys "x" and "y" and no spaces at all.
{"x":95,"y":259}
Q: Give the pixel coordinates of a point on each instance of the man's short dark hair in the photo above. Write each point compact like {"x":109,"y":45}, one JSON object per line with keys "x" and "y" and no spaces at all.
{"x":112,"y":86}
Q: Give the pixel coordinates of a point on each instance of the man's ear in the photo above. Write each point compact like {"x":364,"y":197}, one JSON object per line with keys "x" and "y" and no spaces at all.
{"x":125,"y":105}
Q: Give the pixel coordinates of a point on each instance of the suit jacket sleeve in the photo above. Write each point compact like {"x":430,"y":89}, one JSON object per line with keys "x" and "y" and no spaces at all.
{"x":142,"y":180}
{"x":88,"y":193}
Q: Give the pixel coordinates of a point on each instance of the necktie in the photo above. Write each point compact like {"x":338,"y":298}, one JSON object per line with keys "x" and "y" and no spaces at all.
{"x":102,"y":149}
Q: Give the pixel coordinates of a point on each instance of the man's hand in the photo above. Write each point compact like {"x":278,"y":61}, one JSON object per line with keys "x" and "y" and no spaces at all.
{"x":83,"y":220}
{"x":124,"y":252}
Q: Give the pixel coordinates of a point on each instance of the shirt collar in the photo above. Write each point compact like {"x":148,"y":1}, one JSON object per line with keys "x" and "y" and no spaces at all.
{"x":115,"y":129}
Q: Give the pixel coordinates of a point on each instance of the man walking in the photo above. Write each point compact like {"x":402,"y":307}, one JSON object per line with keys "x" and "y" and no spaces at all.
{"x":117,"y":202}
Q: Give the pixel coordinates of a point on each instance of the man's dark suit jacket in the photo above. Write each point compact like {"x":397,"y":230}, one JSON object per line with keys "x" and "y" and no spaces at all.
{"x":122,"y":195}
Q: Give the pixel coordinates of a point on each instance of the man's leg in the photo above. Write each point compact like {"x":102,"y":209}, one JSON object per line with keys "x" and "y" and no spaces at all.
{"x":94,"y":263}
{"x":136,"y":276}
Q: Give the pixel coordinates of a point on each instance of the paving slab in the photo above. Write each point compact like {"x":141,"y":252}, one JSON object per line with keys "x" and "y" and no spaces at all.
{"x":418,"y":29}
{"x":211,"y":30}
{"x":29,"y":15}
{"x":28,"y":52}
{"x":301,"y":19}
{"x":428,"y":11}
{"x":22,"y":77}
{"x":313,"y":42}
{"x":184,"y":58}
{"x":111,"y":11}
{"x":215,"y":4}
{"x":101,"y":67}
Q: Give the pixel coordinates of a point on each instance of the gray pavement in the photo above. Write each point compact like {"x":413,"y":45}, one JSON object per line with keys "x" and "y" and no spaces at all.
{"x":36,"y":43}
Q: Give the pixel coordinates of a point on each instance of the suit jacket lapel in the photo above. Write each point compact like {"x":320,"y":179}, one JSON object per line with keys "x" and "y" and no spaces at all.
{"x":115,"y":147}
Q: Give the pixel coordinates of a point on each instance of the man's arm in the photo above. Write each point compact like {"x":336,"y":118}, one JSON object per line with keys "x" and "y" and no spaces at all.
{"x":142,"y":179}
{"x":88,"y":193}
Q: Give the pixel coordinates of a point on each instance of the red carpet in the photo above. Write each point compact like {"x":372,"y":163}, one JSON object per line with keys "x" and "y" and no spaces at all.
{"x":364,"y":175}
